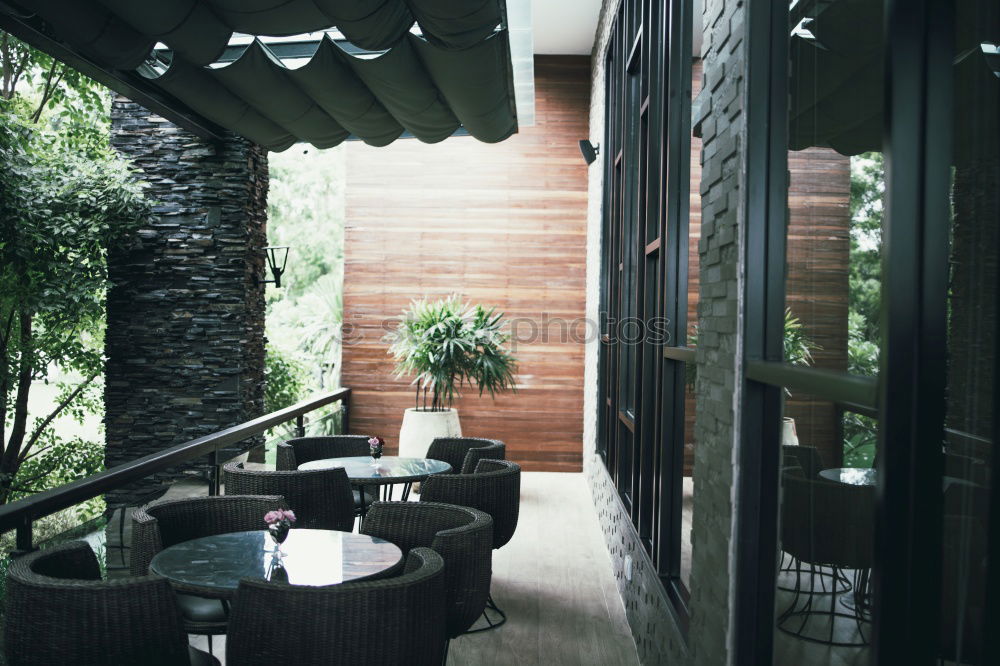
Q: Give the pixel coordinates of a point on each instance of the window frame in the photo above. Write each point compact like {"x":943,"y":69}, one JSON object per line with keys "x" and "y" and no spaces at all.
{"x":651,"y":40}
{"x":908,"y":396}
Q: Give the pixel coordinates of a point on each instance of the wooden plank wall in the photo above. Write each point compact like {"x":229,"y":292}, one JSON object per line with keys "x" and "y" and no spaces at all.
{"x":501,"y":224}
{"x":694,"y":236}
{"x":818,"y":256}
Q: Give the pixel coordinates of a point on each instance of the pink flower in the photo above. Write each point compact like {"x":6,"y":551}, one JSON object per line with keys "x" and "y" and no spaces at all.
{"x":376,"y":442}
{"x":279,"y":516}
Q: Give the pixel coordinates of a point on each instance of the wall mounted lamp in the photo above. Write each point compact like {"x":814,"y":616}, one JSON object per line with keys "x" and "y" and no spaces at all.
{"x":277,"y":259}
{"x":589,"y":150}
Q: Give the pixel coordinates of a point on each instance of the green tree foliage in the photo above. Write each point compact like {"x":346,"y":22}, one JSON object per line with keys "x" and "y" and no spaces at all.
{"x":285,"y":380}
{"x":306,"y":213}
{"x":447,"y":344}
{"x":865,"y":289}
{"x":798,"y":347}
{"x":52,"y":96}
{"x":864,"y":297}
{"x":65,"y":200}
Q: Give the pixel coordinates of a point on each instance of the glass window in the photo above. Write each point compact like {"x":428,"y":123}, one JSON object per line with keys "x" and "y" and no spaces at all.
{"x":971,"y":331}
{"x":830,"y":323}
{"x":645,"y":289}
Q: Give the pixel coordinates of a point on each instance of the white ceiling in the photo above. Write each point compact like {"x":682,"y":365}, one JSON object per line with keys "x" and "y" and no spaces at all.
{"x":564,"y":27}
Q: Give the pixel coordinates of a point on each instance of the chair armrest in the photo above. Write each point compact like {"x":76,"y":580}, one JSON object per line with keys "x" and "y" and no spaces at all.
{"x":146,"y":542}
{"x":285,"y":461}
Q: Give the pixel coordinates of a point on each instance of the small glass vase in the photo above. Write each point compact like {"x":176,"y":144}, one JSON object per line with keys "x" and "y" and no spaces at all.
{"x":376,"y":454}
{"x":278,"y":533}
{"x":276,"y":572}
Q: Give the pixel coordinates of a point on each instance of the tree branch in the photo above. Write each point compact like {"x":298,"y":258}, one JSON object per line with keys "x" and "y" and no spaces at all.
{"x":22,"y":65}
{"x":7,"y":328}
{"x":47,"y":92}
{"x":51,"y":417}
{"x":22,"y":483}
{"x":7,"y":69}
{"x":4,"y":377}
{"x":24,"y":374}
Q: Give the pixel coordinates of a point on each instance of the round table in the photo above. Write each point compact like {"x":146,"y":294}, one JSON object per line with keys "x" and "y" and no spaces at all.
{"x":854,"y":476}
{"x":213,"y":566}
{"x":388,"y":470}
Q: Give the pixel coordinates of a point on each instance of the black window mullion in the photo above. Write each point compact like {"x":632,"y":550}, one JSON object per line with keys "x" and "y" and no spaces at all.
{"x":914,"y":310}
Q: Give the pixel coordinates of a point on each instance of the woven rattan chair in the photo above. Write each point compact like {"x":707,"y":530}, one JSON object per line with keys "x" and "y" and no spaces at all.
{"x":162,"y":524}
{"x":822,"y":580}
{"x":807,"y":458}
{"x":388,"y":621}
{"x":301,"y":450}
{"x":321,"y":498}
{"x":462,"y":536}
{"x":494,"y":488}
{"x":827,"y":524}
{"x":59,"y":611}
{"x":464,"y":453}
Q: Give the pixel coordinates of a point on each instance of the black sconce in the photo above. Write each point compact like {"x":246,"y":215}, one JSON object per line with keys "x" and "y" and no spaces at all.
{"x":277,"y":258}
{"x":589,"y":150}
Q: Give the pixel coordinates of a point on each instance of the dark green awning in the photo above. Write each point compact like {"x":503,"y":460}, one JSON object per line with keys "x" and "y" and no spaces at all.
{"x":369,"y":69}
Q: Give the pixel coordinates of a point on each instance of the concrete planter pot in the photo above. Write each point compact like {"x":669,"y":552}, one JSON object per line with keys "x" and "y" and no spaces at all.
{"x":788,"y":435}
{"x":420,"y":428}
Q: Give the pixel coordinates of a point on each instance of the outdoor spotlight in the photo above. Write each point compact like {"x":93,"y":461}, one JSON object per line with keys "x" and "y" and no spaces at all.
{"x":589,"y":150}
{"x":277,"y":258}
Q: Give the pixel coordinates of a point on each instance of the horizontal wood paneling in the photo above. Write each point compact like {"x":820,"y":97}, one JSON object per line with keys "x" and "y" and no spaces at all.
{"x":501,"y":224}
{"x":817,"y":290}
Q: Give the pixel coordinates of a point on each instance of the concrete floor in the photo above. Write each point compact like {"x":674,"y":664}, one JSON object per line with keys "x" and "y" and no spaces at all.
{"x":554,"y":580}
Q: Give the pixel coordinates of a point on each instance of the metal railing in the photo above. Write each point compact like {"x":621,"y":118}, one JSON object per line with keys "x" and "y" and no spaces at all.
{"x":20,"y":515}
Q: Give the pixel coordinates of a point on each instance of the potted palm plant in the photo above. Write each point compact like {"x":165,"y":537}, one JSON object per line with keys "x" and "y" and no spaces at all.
{"x":447,"y":345}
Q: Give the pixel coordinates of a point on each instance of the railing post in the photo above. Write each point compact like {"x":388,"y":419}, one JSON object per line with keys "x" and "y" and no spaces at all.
{"x":24,"y":539}
{"x":345,"y":423}
{"x":215,"y":480}
{"x":300,"y":426}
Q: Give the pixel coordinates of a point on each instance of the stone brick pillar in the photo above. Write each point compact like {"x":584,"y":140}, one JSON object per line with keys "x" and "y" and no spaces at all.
{"x":185,"y":330}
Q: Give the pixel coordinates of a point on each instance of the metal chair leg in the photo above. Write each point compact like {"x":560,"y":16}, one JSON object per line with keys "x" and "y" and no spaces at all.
{"x":490,"y":623}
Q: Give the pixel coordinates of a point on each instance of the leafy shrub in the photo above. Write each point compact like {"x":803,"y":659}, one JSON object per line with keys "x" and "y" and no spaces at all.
{"x":860,"y":432}
{"x":447,"y":344}
{"x":285,"y":380}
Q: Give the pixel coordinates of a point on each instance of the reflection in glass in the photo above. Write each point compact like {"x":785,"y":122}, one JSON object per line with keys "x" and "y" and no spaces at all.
{"x":833,"y":298}
{"x":972,"y":309}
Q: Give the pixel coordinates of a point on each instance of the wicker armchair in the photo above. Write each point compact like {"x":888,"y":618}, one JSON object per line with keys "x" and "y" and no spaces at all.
{"x":827,"y":524}
{"x":397,"y":620}
{"x":163,"y":524}
{"x":301,"y":450}
{"x":495,"y":488}
{"x":807,"y":458}
{"x":462,"y":536}
{"x":59,"y":611}
{"x":321,"y":499}
{"x":464,"y":453}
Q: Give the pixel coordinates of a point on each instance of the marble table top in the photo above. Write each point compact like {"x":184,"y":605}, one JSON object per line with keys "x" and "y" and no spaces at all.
{"x":388,"y":469}
{"x":213,"y":566}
